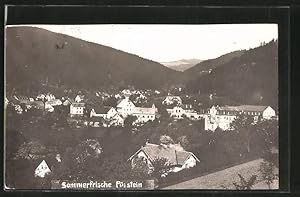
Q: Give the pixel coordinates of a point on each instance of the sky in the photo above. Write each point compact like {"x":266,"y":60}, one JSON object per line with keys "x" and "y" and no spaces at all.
{"x":163,"y":43}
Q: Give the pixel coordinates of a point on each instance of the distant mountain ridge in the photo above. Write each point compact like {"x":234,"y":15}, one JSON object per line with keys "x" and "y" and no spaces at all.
{"x":181,"y":65}
{"x":35,"y":56}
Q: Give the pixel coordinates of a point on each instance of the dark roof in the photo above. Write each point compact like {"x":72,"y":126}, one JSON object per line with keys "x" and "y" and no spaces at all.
{"x":150,"y":104}
{"x":174,"y":155}
{"x":78,"y":104}
{"x":101,"y":109}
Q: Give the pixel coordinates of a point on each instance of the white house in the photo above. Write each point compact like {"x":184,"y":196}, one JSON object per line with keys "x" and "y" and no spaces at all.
{"x":77,"y":109}
{"x":125,"y":107}
{"x":116,"y":120}
{"x":144,"y":114}
{"x":79,"y":98}
{"x":42,"y":170}
{"x":183,"y":109}
{"x":40,"y":97}
{"x":54,"y":102}
{"x":104,"y":112}
{"x":223,"y":116}
{"x":49,"y":97}
{"x":68,"y":101}
{"x":177,"y":157}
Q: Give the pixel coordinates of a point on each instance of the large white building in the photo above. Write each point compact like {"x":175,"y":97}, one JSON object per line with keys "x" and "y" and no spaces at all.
{"x":183,"y":110}
{"x":144,"y":114}
{"x":176,"y":156}
{"x":223,"y":116}
{"x":125,"y":107}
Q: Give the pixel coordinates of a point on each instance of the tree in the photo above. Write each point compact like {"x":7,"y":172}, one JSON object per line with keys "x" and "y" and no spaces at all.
{"x":140,"y":169}
{"x":31,"y":150}
{"x":111,"y":101}
{"x":79,"y":163}
{"x":114,"y":168}
{"x":268,"y":131}
{"x":165,"y":139}
{"x":244,"y":184}
{"x":129,"y":121}
{"x":89,"y":148}
{"x":267,"y":170}
{"x":161,"y":167}
{"x":243,"y":125}
{"x":183,"y":141}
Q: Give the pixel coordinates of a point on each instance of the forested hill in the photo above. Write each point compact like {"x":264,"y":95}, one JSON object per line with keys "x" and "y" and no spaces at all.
{"x":36,"y":56}
{"x":205,"y":66}
{"x":251,"y":78}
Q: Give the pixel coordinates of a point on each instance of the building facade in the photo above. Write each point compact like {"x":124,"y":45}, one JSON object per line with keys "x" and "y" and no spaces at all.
{"x":222,"y":117}
{"x":179,"y":111}
{"x":143,"y":114}
{"x":77,"y":109}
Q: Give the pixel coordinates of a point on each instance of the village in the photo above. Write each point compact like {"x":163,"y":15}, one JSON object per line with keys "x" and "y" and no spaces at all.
{"x":133,"y":109}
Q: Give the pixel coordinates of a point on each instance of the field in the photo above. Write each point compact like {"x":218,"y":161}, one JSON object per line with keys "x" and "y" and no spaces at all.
{"x":224,"y":179}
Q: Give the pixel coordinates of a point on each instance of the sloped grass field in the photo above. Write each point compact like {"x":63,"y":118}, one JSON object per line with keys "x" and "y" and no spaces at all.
{"x":224,"y":179}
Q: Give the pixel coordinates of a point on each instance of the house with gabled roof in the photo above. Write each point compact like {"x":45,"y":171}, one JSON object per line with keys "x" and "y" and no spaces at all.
{"x":42,"y":170}
{"x":144,"y":114}
{"x":125,"y":107}
{"x":176,"y":156}
{"x":105,"y":112}
{"x":79,"y":98}
{"x":181,"y":110}
{"x":68,"y":101}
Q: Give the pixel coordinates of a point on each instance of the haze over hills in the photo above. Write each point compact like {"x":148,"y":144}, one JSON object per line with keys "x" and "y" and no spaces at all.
{"x":35,"y":55}
{"x":251,"y":78}
{"x":181,"y":65}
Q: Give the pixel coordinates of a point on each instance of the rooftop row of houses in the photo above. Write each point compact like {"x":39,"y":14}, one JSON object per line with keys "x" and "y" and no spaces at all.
{"x":214,"y":117}
{"x":221,"y":116}
{"x":125,"y":107}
